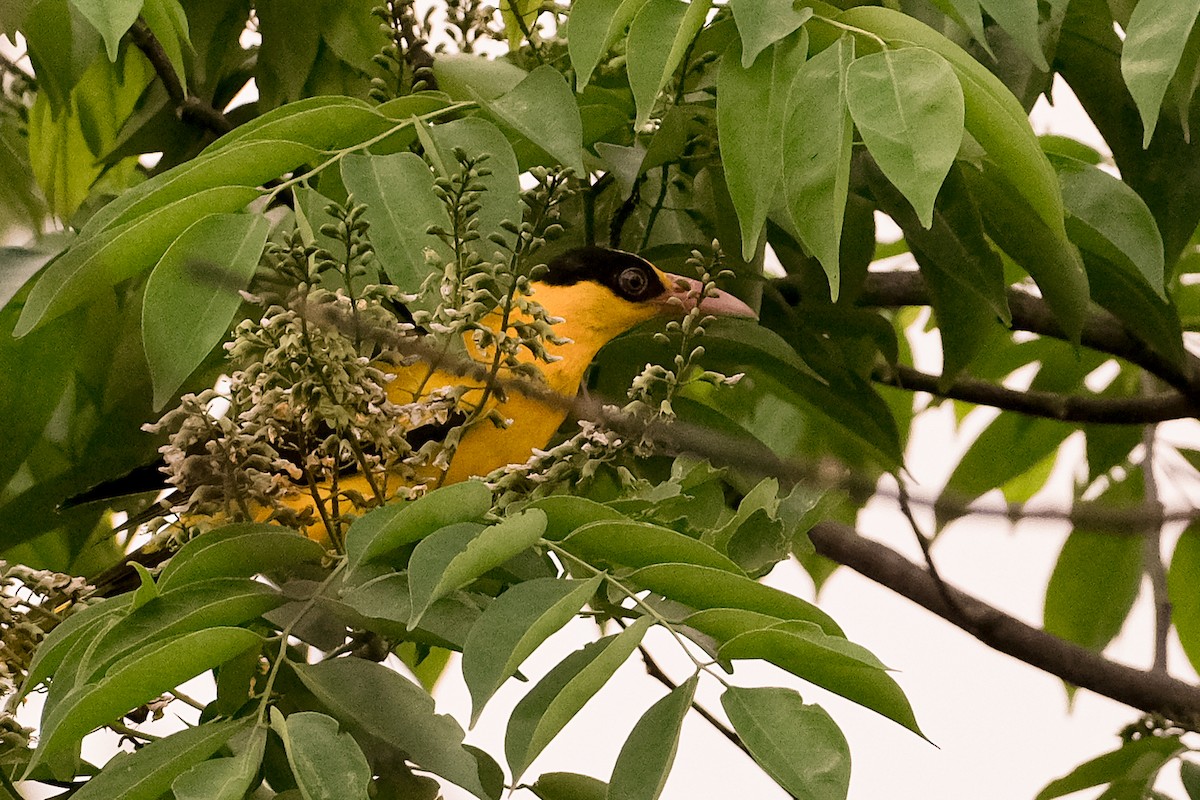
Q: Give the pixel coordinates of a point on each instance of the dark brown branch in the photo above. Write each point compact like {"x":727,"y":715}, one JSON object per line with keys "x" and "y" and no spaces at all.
{"x":190,"y":109}
{"x":1152,"y":692}
{"x":1141,"y":410}
{"x":1101,"y":331}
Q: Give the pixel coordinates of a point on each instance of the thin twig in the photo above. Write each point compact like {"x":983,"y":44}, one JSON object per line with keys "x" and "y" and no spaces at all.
{"x":1152,"y":560}
{"x":1101,"y":331}
{"x":1145,"y":409}
{"x":926,"y":549}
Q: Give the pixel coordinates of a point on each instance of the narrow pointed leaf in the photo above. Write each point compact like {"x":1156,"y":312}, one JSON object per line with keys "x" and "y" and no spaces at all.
{"x":560,"y":695}
{"x":640,"y":544}
{"x":385,"y":529}
{"x":192,"y":295}
{"x":751,"y":111}
{"x":401,"y":207}
{"x":374,"y":701}
{"x":513,"y":626}
{"x":134,"y":680}
{"x":816,"y":155}
{"x":596,"y":25}
{"x":1154,"y":41}
{"x":1132,"y":767}
{"x":645,"y":760}
{"x":658,"y":38}
{"x":705,"y":587}
{"x":97,"y":264}
{"x":148,"y":772}
{"x":805,"y":656}
{"x":235,"y":551}
{"x":908,"y":107}
{"x":452,"y":558}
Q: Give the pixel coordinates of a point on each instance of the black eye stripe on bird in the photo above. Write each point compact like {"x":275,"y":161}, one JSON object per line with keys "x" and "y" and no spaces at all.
{"x":636,"y":280}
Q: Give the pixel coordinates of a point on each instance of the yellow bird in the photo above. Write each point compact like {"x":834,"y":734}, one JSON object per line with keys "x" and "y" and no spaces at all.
{"x":598,"y":294}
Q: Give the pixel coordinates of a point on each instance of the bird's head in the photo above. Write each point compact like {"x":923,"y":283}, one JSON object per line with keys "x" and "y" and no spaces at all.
{"x":601,"y":293}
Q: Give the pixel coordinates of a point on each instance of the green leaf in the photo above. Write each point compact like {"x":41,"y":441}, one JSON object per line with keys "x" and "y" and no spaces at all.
{"x":147,"y":773}
{"x":1019,"y":19}
{"x":1010,"y":446}
{"x":513,"y":626}
{"x":706,"y":587}
{"x":1097,"y":577}
{"x":67,"y":145}
{"x":560,"y":695}
{"x":464,"y":76}
{"x":167,"y":20}
{"x":94,"y":265}
{"x":1181,"y":587}
{"x":967,"y":14}
{"x":197,"y":606}
{"x":908,"y":107}
{"x":111,"y":18}
{"x":1107,"y":217}
{"x":542,"y":108}
{"x":993,"y":116}
{"x":228,"y":778}
{"x":323,"y":123}
{"x":401,"y":207}
{"x":1154,"y":41}
{"x":192,"y":295}
{"x":326,"y":763}
{"x":565,"y":513}
{"x":595,"y":26}
{"x":644,"y":762}
{"x":248,"y":164}
{"x":1189,"y":774}
{"x":816,"y":155}
{"x":458,"y":554}
{"x":568,"y":786}
{"x":82,"y":625}
{"x":762,"y":23}
{"x":798,"y":745}
{"x":751,"y":110}
{"x":373,"y":700}
{"x":240,"y":550}
{"x":964,"y":273}
{"x":640,"y":544}
{"x":806,"y":654}
{"x":1049,"y":258}
{"x":385,"y":529}
{"x":385,"y":599}
{"x":658,"y":38}
{"x":135,"y":679}
{"x":1132,"y":767}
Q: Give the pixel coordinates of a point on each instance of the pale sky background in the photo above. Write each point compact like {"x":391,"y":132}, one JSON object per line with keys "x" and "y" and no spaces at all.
{"x":1002,"y":729}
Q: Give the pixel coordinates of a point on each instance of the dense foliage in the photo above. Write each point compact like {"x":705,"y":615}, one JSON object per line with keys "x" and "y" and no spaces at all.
{"x":395,"y":178}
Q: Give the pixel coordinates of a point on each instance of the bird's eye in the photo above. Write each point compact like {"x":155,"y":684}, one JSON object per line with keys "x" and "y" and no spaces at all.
{"x":633,"y":282}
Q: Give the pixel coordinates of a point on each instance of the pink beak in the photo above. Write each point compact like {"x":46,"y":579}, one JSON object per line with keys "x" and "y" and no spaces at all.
{"x":687,"y":290}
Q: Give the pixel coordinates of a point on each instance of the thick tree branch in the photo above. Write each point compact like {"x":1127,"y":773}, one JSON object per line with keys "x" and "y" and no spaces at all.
{"x":190,"y":109}
{"x":1101,"y":331}
{"x":1152,"y":692}
{"x":1142,"y":410}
